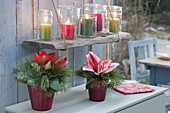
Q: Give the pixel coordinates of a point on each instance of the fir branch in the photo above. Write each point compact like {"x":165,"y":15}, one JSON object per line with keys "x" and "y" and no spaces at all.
{"x":29,"y":72}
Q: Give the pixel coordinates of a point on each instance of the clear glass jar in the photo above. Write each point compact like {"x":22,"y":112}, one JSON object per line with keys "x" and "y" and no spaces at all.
{"x":98,"y":11}
{"x":87,"y":26}
{"x":69,"y":17}
{"x":107,"y":20}
{"x":115,"y":23}
{"x":45,"y":18}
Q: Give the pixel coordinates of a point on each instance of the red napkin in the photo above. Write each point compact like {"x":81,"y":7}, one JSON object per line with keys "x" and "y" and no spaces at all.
{"x":133,"y":88}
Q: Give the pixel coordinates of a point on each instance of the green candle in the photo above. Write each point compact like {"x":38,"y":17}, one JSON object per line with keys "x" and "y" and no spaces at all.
{"x":45,"y":31}
{"x":87,"y":28}
{"x":114,"y":25}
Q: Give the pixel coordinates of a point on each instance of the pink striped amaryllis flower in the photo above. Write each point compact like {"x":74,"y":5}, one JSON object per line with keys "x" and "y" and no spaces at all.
{"x":98,"y":66}
{"x":47,"y":61}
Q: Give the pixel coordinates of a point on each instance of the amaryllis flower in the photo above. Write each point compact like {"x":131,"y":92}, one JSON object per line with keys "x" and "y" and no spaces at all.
{"x":43,"y":58}
{"x":62,"y":63}
{"x":97,"y":65}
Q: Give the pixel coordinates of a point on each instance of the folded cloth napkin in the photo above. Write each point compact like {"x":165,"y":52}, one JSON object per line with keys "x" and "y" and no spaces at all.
{"x":133,"y":88}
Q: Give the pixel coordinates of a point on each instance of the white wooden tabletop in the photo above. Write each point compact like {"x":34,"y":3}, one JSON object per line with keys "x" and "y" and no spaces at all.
{"x":76,"y":101}
{"x":156,"y":61}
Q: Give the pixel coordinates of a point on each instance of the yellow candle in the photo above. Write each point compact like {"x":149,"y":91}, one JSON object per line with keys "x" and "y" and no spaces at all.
{"x":115,"y":25}
{"x":45,"y":31}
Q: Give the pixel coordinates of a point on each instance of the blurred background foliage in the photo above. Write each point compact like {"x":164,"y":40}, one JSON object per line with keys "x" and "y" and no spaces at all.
{"x":137,"y":16}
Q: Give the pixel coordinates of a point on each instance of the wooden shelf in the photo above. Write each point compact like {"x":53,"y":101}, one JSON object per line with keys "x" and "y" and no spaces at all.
{"x":59,"y":43}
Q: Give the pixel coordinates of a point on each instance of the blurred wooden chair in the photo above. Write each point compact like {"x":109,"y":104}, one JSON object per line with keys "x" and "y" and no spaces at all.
{"x":141,"y":49}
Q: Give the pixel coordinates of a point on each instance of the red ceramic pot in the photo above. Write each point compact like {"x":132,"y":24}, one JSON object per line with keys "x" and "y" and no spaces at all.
{"x":98,"y":95}
{"x":39,"y":100}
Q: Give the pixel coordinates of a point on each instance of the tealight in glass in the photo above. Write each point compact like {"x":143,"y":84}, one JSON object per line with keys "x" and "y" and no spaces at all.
{"x":115,"y":24}
{"x":87,"y":26}
{"x":98,"y":11}
{"x":45,"y":24}
{"x":69,"y":17}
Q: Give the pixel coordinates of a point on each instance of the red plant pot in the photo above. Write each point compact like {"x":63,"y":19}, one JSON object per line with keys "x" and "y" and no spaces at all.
{"x":98,"y":95}
{"x":39,"y":100}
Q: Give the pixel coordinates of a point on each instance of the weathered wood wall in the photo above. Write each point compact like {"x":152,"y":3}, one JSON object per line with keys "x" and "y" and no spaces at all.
{"x":17,"y":24}
{"x":8,"y":50}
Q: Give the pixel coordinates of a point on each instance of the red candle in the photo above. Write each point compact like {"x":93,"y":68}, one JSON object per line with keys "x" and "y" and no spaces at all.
{"x":68,"y":30}
{"x":99,"y":21}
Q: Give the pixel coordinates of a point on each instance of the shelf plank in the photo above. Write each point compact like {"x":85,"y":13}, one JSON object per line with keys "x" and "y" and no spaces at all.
{"x":59,"y":43}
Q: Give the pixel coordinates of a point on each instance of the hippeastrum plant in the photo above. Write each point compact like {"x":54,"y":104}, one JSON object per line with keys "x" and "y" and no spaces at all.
{"x":97,"y":70}
{"x":45,"y":70}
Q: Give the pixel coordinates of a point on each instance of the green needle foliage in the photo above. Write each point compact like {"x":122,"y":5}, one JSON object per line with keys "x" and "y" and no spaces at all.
{"x":109,"y":80}
{"x":31,"y":73}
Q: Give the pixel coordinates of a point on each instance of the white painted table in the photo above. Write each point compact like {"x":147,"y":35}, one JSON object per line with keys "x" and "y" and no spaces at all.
{"x":76,"y":101}
{"x":157,"y":66}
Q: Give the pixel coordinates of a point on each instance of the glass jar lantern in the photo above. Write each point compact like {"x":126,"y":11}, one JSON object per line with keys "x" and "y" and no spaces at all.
{"x":98,"y":11}
{"x":115,"y":22}
{"x":45,"y":24}
{"x":87,"y":26}
{"x":69,"y":17}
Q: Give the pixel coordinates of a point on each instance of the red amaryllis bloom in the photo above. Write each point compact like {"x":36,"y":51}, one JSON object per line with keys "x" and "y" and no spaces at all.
{"x":62,"y":63}
{"x":43,"y":58}
{"x":97,"y":65}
